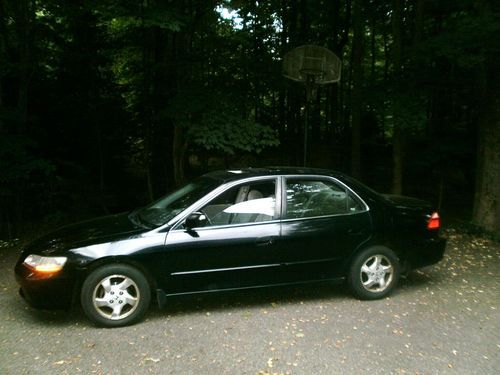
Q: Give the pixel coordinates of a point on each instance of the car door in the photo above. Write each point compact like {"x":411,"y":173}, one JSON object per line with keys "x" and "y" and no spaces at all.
{"x":323,"y":221}
{"x":232,"y":249}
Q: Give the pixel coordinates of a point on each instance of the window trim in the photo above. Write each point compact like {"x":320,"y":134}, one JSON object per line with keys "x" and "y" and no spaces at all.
{"x":317,"y":178}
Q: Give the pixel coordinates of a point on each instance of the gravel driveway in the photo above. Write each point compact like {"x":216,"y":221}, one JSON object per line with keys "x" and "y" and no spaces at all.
{"x":441,"y":320}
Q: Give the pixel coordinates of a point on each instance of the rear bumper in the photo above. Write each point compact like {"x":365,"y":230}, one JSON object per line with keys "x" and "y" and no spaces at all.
{"x":55,"y":292}
{"x":427,"y":252}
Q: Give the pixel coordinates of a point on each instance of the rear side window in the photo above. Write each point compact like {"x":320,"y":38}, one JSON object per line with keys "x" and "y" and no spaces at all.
{"x":312,"y":198}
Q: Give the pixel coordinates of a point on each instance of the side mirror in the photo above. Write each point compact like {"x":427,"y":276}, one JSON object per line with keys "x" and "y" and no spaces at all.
{"x":195,"y":220}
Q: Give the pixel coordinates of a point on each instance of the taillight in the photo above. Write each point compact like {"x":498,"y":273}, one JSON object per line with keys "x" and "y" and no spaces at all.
{"x":434,"y":221}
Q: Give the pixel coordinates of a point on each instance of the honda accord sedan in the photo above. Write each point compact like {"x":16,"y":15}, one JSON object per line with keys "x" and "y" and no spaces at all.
{"x":230,"y":230}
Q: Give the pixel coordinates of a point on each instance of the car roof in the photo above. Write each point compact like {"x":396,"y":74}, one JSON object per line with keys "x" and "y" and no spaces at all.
{"x":237,"y":174}
{"x":230,"y":175}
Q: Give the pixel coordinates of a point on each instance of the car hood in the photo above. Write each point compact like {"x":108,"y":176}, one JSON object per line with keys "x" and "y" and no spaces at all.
{"x":404,"y":202}
{"x":104,"y":229}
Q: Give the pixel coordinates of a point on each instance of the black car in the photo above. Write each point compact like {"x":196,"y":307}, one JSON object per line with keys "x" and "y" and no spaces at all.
{"x":232,"y":230}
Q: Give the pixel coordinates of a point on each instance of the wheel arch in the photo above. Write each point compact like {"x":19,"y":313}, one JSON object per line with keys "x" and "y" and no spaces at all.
{"x":91,"y":267}
{"x":354,"y":277}
{"x":370,"y":245}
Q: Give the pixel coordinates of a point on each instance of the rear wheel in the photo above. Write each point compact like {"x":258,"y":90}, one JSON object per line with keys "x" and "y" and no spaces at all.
{"x":374,"y":273}
{"x":115,"y":295}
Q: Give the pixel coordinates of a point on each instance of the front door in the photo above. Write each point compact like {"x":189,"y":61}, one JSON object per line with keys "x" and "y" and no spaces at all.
{"x":234,"y":248}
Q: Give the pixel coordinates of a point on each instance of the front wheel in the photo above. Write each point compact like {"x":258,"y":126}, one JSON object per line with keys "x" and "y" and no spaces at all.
{"x":374,"y":273}
{"x":115,"y":295}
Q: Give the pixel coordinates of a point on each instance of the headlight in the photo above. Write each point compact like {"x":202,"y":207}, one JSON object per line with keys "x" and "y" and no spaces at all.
{"x":45,"y":264}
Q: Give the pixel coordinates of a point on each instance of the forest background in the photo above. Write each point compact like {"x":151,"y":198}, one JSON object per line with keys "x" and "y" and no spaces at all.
{"x":106,"y":105}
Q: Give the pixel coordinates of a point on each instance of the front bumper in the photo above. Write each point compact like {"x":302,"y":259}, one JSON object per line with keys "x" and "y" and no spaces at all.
{"x":427,"y":252}
{"x":52,"y":292}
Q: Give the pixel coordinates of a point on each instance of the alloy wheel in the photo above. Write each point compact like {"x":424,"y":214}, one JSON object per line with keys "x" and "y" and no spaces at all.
{"x":376,"y":273}
{"x":115,"y":297}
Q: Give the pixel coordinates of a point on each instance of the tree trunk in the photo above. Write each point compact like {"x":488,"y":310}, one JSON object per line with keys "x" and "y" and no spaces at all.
{"x":146,"y":98}
{"x":357,"y":80}
{"x":178,"y":154}
{"x":24,"y":16}
{"x":486,"y":213}
{"x":373,"y":46}
{"x":419,"y":23}
{"x":3,"y":55}
{"x":397,"y":137}
{"x":101,"y":158}
{"x":1,"y":108}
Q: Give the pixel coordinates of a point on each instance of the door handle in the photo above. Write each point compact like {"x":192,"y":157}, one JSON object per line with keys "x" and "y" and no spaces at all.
{"x":265,"y":241}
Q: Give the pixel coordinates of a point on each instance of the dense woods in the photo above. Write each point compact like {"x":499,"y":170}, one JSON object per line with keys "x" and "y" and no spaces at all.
{"x":106,"y":105}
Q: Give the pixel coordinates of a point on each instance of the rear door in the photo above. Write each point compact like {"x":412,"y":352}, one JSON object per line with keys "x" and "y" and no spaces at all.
{"x":323,"y":221}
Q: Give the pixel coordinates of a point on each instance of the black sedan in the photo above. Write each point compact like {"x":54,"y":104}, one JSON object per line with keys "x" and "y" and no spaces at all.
{"x":231,"y":230}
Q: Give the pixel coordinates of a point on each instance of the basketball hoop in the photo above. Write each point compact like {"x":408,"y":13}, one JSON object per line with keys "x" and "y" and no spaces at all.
{"x":313,"y":66}
{"x":310,"y":60}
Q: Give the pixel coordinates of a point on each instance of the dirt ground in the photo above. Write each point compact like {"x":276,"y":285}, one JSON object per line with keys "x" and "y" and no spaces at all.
{"x":442,"y":319}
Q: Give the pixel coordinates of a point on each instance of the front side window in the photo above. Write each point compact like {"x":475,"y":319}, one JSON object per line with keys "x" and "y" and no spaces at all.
{"x":247,"y":203}
{"x":311,"y":198}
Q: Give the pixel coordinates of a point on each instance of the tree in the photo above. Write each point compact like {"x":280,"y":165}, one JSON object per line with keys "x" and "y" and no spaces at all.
{"x":357,"y":82}
{"x":105,"y":105}
{"x":397,"y":133}
{"x":487,"y":195}
{"x":486,"y":212}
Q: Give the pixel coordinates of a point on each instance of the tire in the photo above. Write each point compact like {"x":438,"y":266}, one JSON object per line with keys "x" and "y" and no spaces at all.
{"x":115,"y":295}
{"x":374,"y":273}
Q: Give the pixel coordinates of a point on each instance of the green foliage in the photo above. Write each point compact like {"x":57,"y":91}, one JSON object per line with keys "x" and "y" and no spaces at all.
{"x":213,"y":122}
{"x":153,"y":18}
{"x":227,"y":132}
{"x":411,"y":117}
{"x":467,"y":40}
{"x":90,"y":89}
{"x":19,"y":164}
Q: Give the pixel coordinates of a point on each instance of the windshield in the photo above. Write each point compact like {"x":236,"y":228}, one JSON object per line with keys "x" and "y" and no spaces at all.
{"x":167,"y":207}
